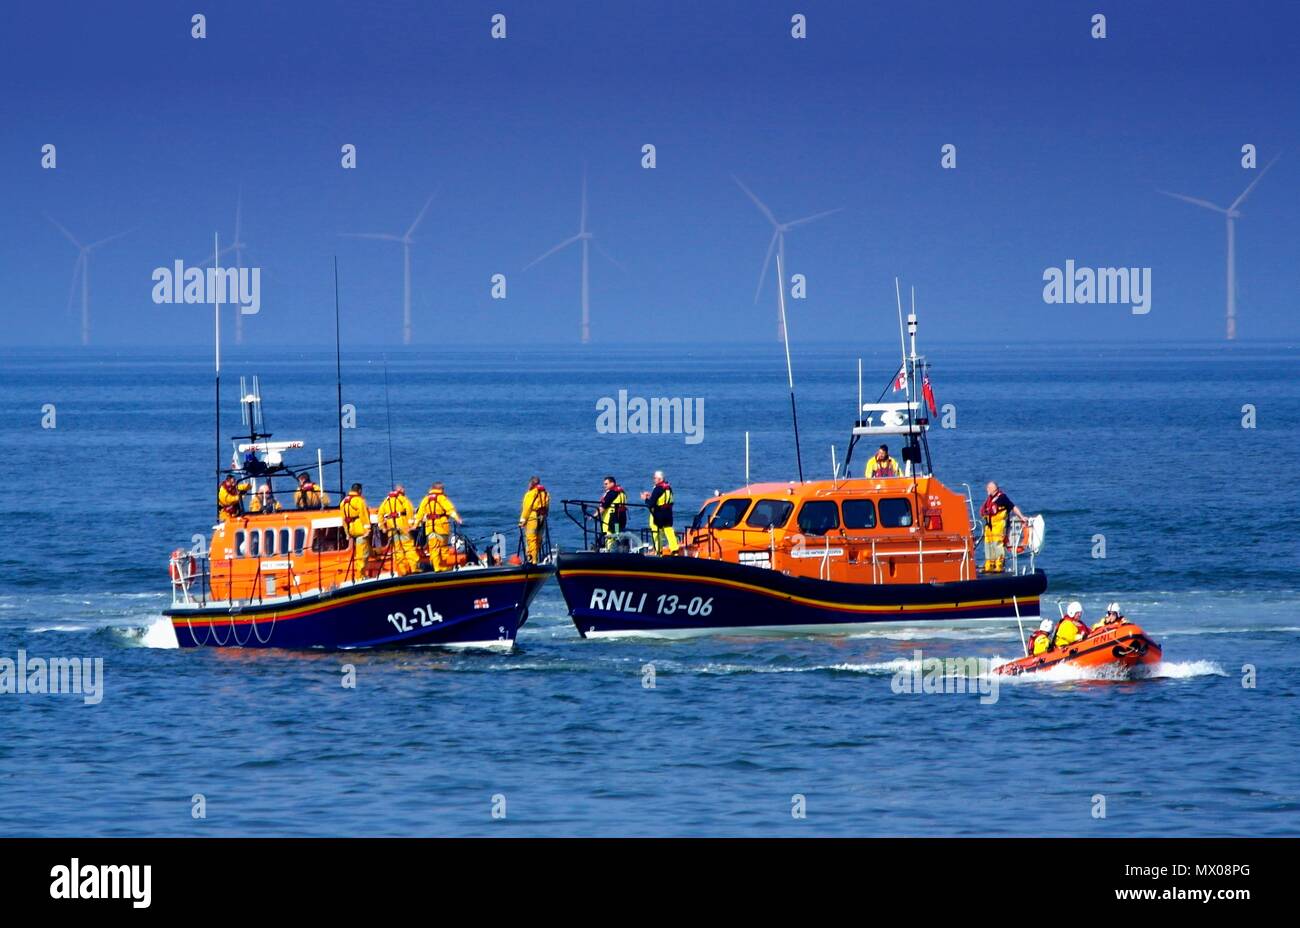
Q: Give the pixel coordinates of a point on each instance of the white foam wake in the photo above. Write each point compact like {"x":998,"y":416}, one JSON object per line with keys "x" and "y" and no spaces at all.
{"x":159,"y":633}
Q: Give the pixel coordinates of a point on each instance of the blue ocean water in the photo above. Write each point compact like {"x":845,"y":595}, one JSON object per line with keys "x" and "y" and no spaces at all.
{"x":1141,"y":444}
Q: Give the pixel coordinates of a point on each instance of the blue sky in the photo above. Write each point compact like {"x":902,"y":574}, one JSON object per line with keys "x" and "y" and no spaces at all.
{"x":1062,"y":142}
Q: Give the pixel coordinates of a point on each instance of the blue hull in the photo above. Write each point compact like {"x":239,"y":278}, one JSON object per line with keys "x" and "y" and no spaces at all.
{"x":632,"y":594}
{"x":476,"y":608}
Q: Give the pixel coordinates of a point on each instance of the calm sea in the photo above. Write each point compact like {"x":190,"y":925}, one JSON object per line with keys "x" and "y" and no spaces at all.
{"x":1139,"y":450}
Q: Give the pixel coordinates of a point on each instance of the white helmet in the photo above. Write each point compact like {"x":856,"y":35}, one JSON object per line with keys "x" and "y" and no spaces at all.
{"x":1045,"y":625}
{"x":1075,"y":608}
{"x":1113,"y":607}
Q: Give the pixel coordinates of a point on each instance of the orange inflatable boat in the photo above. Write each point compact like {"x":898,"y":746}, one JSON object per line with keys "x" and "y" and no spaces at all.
{"x":1121,"y":645}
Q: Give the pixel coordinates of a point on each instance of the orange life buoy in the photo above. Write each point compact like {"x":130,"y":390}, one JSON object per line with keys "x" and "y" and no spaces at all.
{"x":182,"y":567}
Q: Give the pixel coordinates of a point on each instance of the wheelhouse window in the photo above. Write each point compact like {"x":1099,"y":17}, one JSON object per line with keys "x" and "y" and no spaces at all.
{"x":770,"y":513}
{"x":859,"y":513}
{"x":730,"y":513}
{"x":268,"y":543}
{"x":254,"y":544}
{"x":818,"y":517}
{"x":329,"y":539}
{"x":895,"y":513}
{"x":299,"y":540}
{"x":284,"y":541}
{"x":240,"y":541}
{"x":702,"y":517}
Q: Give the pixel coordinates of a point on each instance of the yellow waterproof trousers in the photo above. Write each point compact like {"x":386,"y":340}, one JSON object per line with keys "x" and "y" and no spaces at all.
{"x":533,"y":528}
{"x":664,"y":537}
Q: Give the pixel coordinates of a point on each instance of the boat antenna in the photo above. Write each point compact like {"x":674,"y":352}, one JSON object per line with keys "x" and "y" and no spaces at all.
{"x":907,"y":374}
{"x":388,"y":413}
{"x":789,"y":371}
{"x":338,"y":373}
{"x":746,"y":462}
{"x":216,"y":324}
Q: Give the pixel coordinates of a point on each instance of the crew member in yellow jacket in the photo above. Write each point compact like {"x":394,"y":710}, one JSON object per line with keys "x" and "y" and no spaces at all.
{"x":356,"y":522}
{"x":660,"y":501}
{"x":996,"y":513}
{"x":882,"y":465}
{"x":230,"y":499}
{"x":532,"y":518}
{"x":395,"y":515}
{"x":435,"y":514}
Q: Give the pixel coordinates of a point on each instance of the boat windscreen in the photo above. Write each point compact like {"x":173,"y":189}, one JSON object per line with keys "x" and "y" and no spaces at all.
{"x":770,"y":513}
{"x":730,"y":513}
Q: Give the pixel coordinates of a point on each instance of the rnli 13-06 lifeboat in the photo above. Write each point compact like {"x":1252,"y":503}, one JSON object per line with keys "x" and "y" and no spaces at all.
{"x":286,"y":576}
{"x":1114,"y":644}
{"x":812,"y":556}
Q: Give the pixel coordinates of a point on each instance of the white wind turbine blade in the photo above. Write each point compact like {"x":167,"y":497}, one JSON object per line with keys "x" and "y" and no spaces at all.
{"x":606,"y":255}
{"x":1205,"y":203}
{"x":813,"y":218}
{"x":420,"y":217}
{"x":762,"y":275}
{"x":757,"y":202}
{"x":60,"y":227}
{"x":111,"y":238}
{"x":1245,"y":193}
{"x":564,"y":244}
{"x":208,"y":260}
{"x":380,"y":236}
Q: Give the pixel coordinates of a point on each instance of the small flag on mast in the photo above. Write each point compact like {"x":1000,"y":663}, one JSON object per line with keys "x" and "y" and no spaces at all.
{"x":928,"y":392}
{"x":900,"y":381}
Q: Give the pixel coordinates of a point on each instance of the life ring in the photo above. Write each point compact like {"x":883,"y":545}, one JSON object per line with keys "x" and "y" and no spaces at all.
{"x":182,"y":567}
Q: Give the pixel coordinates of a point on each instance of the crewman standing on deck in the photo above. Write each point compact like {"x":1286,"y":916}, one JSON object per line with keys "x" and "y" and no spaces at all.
{"x":996,"y":513}
{"x":309,"y":495}
{"x":533,"y":512}
{"x":230,"y":498}
{"x":660,"y":500}
{"x":356,"y":522}
{"x":435,"y":514}
{"x":395,"y":515}
{"x":611,"y":513}
{"x":882,"y":465}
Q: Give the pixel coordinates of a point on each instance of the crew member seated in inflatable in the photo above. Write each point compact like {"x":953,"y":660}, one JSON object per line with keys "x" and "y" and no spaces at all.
{"x":1072,"y":628}
{"x":1113,"y":617}
{"x":1040,"y":639}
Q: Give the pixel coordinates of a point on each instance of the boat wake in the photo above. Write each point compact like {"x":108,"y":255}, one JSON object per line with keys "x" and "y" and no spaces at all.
{"x":157,"y":634}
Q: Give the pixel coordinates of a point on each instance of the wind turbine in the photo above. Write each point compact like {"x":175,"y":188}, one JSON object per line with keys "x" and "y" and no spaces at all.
{"x":406,"y":242}
{"x":587,"y":239}
{"x":1231,"y":215}
{"x":237,"y":246}
{"x":778,"y":243}
{"x":82,"y":266}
